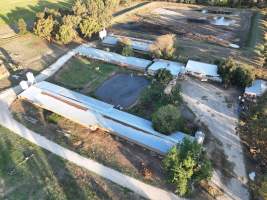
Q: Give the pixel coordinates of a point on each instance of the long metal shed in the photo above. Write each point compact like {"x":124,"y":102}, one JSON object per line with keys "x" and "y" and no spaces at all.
{"x":88,"y":111}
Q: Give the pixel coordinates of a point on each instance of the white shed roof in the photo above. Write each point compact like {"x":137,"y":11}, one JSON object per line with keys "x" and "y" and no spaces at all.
{"x":137,"y":44}
{"x":202,"y":68}
{"x":257,"y":88}
{"x":110,"y":57}
{"x":174,"y":67}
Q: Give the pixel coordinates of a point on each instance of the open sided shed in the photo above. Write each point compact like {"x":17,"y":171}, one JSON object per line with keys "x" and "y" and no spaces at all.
{"x":257,"y":88}
{"x":88,"y":111}
{"x":174,"y":67}
{"x":110,"y":57}
{"x":202,"y":70}
{"x":137,"y":44}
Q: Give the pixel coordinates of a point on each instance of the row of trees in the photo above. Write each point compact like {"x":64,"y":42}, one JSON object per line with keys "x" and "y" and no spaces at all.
{"x":233,"y":73}
{"x":86,"y":18}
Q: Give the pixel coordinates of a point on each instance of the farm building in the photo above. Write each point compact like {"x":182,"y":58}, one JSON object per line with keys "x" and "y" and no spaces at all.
{"x":204,"y":71}
{"x":139,"y":45}
{"x":174,"y":67}
{"x":133,"y":63}
{"x":257,"y":88}
{"x":91,"y":112}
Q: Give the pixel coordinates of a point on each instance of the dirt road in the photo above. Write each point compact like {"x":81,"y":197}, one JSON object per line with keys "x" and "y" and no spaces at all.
{"x":217,"y":109}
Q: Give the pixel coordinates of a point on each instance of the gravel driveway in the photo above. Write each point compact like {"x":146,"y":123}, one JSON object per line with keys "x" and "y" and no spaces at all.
{"x":217,"y":109}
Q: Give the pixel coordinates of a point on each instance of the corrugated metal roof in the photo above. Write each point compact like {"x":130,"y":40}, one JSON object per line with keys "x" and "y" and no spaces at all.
{"x":126,"y":125}
{"x":174,"y":67}
{"x":257,"y":88}
{"x":202,"y":68}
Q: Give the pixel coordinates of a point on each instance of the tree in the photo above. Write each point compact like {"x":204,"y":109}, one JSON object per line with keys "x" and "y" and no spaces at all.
{"x":242,"y":77}
{"x":100,"y":12}
{"x":88,"y":26}
{"x":79,"y":8}
{"x":187,"y":164}
{"x":72,"y":20}
{"x":22,"y":26}
{"x":44,"y":27}
{"x":167,"y":119}
{"x":164,"y":47}
{"x":163,"y":76}
{"x":235,"y":74}
{"x":124,"y":47}
{"x":66,"y":34}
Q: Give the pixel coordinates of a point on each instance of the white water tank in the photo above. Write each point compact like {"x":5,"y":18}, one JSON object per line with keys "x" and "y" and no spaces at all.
{"x":30,"y":78}
{"x":24,"y":85}
{"x":200,"y":136}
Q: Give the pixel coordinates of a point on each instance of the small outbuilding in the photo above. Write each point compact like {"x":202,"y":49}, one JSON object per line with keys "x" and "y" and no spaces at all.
{"x":204,"y":71}
{"x":175,"y":68}
{"x":257,"y":88}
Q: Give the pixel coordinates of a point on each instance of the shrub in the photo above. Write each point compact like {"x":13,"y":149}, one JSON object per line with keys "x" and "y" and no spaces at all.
{"x":54,"y":118}
{"x":233,"y":73}
{"x":163,"y":76}
{"x":127,"y":51}
{"x":187,"y":164}
{"x":167,"y":119}
{"x":66,"y":34}
{"x":44,"y":27}
{"x":22,"y":26}
{"x":124,"y":47}
{"x":263,"y":188}
{"x":164,"y":47}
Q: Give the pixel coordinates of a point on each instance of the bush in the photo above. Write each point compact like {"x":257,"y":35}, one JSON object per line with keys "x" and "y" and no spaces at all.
{"x":167,"y":119}
{"x":127,"y":51}
{"x":164,"y":47}
{"x":22,"y":26}
{"x":163,"y":76}
{"x":66,"y":34}
{"x":187,"y":164}
{"x":263,"y":188}
{"x":54,"y":118}
{"x":233,"y":73}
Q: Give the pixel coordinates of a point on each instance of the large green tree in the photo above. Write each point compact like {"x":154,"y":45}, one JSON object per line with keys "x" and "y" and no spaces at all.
{"x":88,"y":26}
{"x":44,"y":27}
{"x":66,"y":34}
{"x":187,"y":164}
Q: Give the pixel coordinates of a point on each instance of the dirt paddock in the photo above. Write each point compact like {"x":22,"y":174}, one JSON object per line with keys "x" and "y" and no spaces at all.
{"x":188,"y":21}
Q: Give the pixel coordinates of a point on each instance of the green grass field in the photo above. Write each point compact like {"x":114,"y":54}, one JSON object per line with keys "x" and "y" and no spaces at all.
{"x":12,"y":10}
{"x":47,"y":176}
{"x":81,"y":73}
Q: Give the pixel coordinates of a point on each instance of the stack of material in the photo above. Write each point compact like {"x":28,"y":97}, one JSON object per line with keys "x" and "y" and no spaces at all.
{"x":110,"y":57}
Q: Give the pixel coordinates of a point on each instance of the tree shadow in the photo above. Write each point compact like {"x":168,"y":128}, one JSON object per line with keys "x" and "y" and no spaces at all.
{"x":28,"y":13}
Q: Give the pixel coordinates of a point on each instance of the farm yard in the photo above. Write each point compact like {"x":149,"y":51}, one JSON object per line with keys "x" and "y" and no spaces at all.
{"x":203,"y":33}
{"x":128,"y":93}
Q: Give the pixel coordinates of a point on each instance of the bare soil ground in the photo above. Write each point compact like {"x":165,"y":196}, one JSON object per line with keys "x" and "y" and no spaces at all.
{"x":30,"y":52}
{"x":162,"y":18}
{"x":98,"y":145}
{"x":217,"y":109}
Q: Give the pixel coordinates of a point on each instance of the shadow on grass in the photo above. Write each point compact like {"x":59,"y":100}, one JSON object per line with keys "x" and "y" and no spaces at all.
{"x":28,"y":13}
